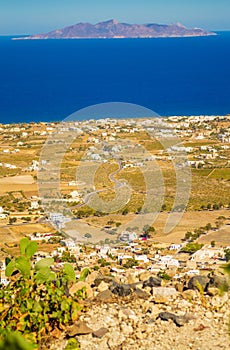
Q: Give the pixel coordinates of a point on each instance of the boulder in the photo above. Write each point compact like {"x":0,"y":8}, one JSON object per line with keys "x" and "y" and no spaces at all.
{"x":141,"y":294}
{"x":218,"y":281}
{"x":121,"y":289}
{"x":178,"y":320}
{"x":80,"y":285}
{"x":198,"y":282}
{"x":189,"y":294}
{"x":100,"y":332}
{"x":106,"y":279}
{"x":79,"y":328}
{"x":164,"y":291}
{"x":102,"y":286}
{"x":152,"y":282}
{"x":106,"y":296}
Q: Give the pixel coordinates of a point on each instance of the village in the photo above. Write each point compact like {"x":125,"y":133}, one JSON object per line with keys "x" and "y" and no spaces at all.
{"x":136,"y":277}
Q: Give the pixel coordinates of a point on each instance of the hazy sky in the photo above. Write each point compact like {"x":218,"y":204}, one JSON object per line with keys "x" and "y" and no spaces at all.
{"x":35,"y":16}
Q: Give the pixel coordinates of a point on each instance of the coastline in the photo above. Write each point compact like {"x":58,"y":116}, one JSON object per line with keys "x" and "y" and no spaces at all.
{"x":116,"y":38}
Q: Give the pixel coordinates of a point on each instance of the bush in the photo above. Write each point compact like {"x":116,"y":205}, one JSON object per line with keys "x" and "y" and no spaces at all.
{"x":37,"y":302}
{"x":192,"y":248}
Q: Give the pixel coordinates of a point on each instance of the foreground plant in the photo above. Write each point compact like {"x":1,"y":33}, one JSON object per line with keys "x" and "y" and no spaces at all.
{"x":37,"y":303}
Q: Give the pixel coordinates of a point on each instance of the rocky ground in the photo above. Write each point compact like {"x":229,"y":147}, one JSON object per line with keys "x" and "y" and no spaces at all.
{"x":152,"y":314}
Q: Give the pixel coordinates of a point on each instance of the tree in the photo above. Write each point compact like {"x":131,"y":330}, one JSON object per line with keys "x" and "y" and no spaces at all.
{"x":88,"y":235}
{"x":208,"y":227}
{"x":213,"y":243}
{"x":191,"y":248}
{"x":12,"y":220}
{"x":125,"y":211}
{"x":130,"y":263}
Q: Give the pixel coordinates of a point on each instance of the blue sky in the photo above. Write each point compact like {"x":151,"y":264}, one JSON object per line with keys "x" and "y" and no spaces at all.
{"x":35,"y":16}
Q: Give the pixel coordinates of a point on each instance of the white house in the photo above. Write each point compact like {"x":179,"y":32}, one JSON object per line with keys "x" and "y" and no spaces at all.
{"x":175,"y":246}
{"x":69,"y":243}
{"x":128,"y":236}
{"x":142,"y":258}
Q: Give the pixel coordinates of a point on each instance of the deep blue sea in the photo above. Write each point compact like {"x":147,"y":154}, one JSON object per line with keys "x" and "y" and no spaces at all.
{"x":46,"y":80}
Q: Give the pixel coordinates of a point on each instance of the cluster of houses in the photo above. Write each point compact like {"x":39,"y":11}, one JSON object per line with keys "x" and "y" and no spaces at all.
{"x":158,"y":258}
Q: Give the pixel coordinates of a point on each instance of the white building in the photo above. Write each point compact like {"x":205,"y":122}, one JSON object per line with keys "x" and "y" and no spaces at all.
{"x":127,"y":236}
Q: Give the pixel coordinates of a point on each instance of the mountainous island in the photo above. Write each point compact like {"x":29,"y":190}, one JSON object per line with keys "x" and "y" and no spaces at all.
{"x":113,"y":29}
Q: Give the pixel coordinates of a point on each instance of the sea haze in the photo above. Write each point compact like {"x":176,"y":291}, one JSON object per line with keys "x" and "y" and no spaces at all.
{"x":46,"y":80}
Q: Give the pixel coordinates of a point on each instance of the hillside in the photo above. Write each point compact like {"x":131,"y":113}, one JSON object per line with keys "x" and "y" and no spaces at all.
{"x":114,"y":29}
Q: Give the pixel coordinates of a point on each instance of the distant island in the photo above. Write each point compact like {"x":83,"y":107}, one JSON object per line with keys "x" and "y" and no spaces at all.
{"x":112,"y":29}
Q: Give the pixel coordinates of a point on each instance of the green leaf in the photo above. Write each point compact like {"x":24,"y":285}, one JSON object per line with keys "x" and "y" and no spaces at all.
{"x":24,"y":242}
{"x":31,"y":249}
{"x":23,"y":265}
{"x":84,"y":274}
{"x":69,"y":272}
{"x":14,"y":340}
{"x":10,"y":268}
{"x":44,"y":275}
{"x":37,"y":307}
{"x":72,"y":344}
{"x":46,"y":262}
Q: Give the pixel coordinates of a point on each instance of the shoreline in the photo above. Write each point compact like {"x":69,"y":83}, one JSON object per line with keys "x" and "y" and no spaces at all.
{"x":205,"y":116}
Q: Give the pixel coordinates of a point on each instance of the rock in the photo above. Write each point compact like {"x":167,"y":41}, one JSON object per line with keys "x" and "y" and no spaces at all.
{"x":79,"y":328}
{"x":115,"y":339}
{"x":103,"y":286}
{"x":218,"y":281}
{"x":189,"y":294}
{"x":152,"y":282}
{"x":100,"y":332}
{"x":106,"y":279}
{"x":164,"y":291}
{"x":198,"y":281}
{"x":126,"y":329}
{"x":106,"y":296}
{"x":212,"y":291}
{"x":121,"y":289}
{"x":91,"y":277}
{"x":145,"y":276}
{"x":78,"y":286}
{"x":179,"y":287}
{"x":161,"y":300}
{"x":219,"y":301}
{"x":178,"y":320}
{"x":141,"y":294}
{"x":131,"y":278}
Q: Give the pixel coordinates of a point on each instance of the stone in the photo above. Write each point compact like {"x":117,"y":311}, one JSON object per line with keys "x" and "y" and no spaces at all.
{"x":131,"y":278}
{"x":121,"y":289}
{"x":189,"y":294}
{"x":126,"y":328}
{"x":218,"y":281}
{"x":198,"y":281}
{"x":91,"y":277}
{"x":141,"y":294}
{"x":164,"y":291}
{"x":160,"y":300}
{"x":212,"y":291}
{"x":179,"y":287}
{"x":79,"y":328}
{"x":100,"y":332}
{"x":152,"y":282}
{"x":106,"y":296}
{"x":106,"y":279}
{"x":178,"y":320}
{"x":219,"y":301}
{"x":103,"y":286}
{"x":78,"y":286}
{"x":145,"y":276}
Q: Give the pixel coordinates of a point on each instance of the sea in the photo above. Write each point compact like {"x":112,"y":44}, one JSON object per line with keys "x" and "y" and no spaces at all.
{"x":47,"y":80}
